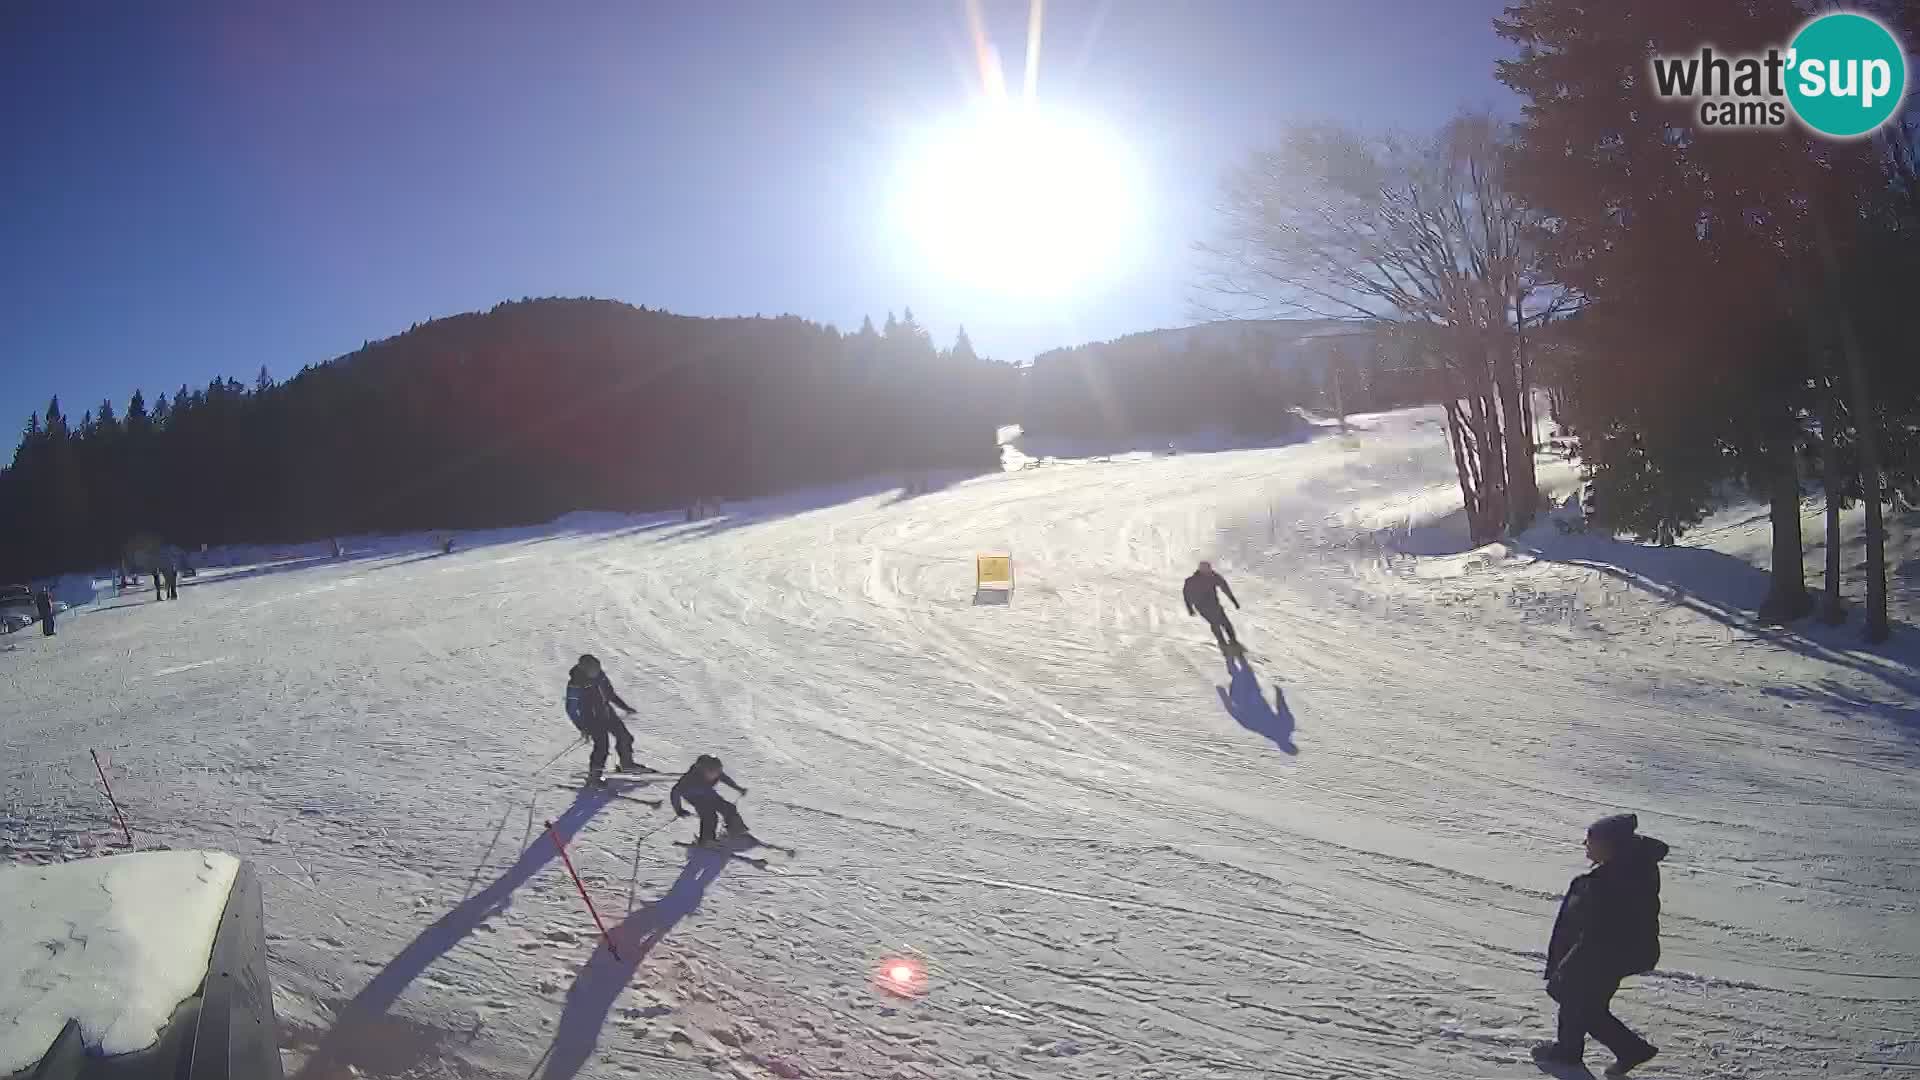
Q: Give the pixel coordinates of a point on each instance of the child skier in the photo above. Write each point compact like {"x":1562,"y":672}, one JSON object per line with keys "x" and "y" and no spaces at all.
{"x":590,"y":704}
{"x":698,"y":787}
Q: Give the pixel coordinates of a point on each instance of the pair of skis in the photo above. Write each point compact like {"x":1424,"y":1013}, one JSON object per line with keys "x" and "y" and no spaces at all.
{"x":735,"y":847}
{"x":738,"y":845}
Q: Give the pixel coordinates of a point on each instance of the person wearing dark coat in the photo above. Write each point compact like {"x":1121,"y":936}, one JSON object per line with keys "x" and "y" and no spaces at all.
{"x":700,"y":786}
{"x":590,"y":703}
{"x":1608,"y":928}
{"x":1201,"y":593}
{"x":173,"y":582}
{"x":43,"y":607}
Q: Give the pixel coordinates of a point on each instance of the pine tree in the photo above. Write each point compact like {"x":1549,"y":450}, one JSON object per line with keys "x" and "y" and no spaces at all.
{"x":963,"y":353}
{"x":1675,"y":239}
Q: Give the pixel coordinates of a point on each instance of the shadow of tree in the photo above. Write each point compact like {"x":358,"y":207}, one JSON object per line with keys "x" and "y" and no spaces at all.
{"x":1720,"y":587}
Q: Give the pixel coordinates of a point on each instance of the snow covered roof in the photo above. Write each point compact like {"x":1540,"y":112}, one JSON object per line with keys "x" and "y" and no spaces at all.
{"x":116,"y":943}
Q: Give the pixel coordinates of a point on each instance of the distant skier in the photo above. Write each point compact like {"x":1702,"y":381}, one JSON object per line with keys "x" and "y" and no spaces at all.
{"x":43,"y":607}
{"x":159,"y":584}
{"x":590,"y":704}
{"x":1202,"y":595}
{"x":1608,"y":928}
{"x":700,"y":787}
{"x":173,"y":582}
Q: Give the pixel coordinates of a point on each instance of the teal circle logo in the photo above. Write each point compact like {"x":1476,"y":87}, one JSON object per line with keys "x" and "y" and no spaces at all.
{"x":1846,"y":74}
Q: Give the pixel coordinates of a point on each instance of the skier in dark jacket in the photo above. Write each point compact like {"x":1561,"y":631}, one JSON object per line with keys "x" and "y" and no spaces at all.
{"x":1608,"y":929}
{"x":700,"y":787}
{"x":43,"y":607}
{"x":1201,"y":592}
{"x":590,"y":704}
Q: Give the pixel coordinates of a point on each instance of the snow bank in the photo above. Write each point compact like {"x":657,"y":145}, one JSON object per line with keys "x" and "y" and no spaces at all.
{"x":116,"y":943}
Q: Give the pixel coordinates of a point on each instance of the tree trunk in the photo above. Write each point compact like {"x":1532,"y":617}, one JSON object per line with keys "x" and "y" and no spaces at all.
{"x":1523,"y":485}
{"x":1787,"y":598}
{"x":1833,"y":611}
{"x":1456,"y":439}
{"x":1484,"y":423}
{"x":1525,"y":362}
{"x":1867,"y":431}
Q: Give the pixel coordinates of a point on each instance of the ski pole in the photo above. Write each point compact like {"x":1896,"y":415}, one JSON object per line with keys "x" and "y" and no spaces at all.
{"x":564,"y":751}
{"x":562,"y":847}
{"x":111,"y":801}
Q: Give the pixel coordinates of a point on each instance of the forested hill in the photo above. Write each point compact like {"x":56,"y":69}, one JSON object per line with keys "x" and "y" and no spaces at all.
{"x":510,"y":416}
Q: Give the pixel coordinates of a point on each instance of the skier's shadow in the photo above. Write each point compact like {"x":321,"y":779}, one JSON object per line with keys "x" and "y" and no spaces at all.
{"x":603,"y":977}
{"x":1245,"y":704}
{"x":361,"y":1022}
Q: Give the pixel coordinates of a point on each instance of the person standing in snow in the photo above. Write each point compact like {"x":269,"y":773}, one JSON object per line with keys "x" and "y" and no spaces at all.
{"x":1201,"y":592}
{"x":43,"y":607}
{"x":173,"y":581}
{"x":1608,"y":928}
{"x":590,"y":704}
{"x":700,"y":786}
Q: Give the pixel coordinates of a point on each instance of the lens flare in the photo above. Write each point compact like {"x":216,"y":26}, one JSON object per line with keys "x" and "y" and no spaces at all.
{"x":901,"y":976}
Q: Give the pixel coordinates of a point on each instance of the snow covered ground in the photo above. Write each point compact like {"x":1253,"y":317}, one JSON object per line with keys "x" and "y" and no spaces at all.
{"x":1111,"y":856}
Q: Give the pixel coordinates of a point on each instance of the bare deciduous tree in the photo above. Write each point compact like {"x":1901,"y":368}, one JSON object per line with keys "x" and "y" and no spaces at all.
{"x":1421,"y":234}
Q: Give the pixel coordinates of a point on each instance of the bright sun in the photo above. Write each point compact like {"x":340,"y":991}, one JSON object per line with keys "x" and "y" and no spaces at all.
{"x":1019,"y":199}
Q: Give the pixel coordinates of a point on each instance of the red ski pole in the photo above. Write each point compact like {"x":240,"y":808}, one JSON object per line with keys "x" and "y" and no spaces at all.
{"x":562,"y":848}
{"x":115,"y":803}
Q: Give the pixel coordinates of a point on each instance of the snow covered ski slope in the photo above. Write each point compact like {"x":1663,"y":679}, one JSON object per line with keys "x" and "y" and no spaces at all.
{"x":1095,"y":850}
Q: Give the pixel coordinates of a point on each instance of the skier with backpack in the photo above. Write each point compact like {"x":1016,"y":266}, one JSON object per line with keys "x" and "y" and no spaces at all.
{"x":590,"y":703}
{"x":1608,"y":928}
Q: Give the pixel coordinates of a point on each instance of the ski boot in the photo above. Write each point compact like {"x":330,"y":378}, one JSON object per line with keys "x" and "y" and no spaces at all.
{"x":629,"y":765}
{"x":594,"y":779}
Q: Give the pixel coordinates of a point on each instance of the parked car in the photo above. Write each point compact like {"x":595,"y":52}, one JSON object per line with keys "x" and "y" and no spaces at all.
{"x":16,"y":608}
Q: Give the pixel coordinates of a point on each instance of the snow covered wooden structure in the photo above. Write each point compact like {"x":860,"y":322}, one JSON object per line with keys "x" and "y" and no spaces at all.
{"x":146,"y":965}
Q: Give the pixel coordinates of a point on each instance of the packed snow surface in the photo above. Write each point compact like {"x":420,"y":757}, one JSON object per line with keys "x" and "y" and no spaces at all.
{"x":116,"y":943}
{"x":1097,"y":849}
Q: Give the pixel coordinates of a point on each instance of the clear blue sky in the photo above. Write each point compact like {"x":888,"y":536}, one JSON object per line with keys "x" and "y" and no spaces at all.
{"x":191,"y":189}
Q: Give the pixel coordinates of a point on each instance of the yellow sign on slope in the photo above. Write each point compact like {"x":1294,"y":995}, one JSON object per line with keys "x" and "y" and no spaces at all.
{"x":993,"y":572}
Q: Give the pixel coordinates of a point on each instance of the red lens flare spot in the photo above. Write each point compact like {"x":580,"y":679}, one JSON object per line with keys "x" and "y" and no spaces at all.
{"x":901,"y":976}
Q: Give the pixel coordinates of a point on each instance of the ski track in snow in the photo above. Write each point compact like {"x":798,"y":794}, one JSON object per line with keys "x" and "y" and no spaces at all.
{"x":1112,"y":856}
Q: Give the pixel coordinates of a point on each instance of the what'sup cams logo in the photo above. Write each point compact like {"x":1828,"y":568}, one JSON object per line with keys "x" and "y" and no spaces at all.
{"x":1843,"y":75}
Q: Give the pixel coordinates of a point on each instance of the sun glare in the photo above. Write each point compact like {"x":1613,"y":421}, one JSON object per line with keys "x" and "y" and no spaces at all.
{"x":1017,"y":198}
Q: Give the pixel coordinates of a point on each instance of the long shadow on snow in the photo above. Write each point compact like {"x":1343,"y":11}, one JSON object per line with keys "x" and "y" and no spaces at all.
{"x":1245,"y":704}
{"x":792,"y":504}
{"x":601,"y":979}
{"x":388,"y":554}
{"x":356,"y":1034}
{"x":1073,"y":447}
{"x":1719,"y":586}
